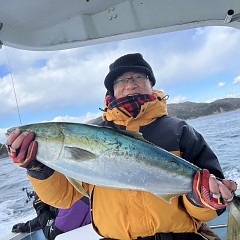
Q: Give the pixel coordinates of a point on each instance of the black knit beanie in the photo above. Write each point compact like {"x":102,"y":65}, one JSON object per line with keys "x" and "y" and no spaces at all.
{"x":128,"y":63}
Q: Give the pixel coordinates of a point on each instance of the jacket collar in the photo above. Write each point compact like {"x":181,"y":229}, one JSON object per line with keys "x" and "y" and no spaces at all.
{"x":149,"y":112}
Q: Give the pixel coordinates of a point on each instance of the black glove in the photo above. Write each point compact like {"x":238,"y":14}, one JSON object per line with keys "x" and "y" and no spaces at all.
{"x":19,"y":228}
{"x":44,"y":213}
{"x":40,"y":206}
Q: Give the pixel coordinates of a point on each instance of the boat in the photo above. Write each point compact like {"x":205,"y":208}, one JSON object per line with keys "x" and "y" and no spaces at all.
{"x":60,"y":24}
{"x":37,"y":235}
{"x":43,"y":25}
{"x":85,"y":233}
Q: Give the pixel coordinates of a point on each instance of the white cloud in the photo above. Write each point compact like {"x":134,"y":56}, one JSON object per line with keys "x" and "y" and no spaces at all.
{"x":82,"y":119}
{"x":2,"y":135}
{"x":236,"y":80}
{"x":56,"y":84}
{"x":221,"y":84}
{"x":177,"y":99}
{"x":210,"y":100}
{"x":233,"y":95}
{"x":74,"y":78}
{"x":207,"y":57}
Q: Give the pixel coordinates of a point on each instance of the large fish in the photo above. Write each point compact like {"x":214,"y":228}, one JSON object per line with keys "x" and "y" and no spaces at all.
{"x":117,"y":159}
{"x":106,"y":157}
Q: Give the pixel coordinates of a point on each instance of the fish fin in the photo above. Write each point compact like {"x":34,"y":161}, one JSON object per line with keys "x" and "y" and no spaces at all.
{"x":78,"y":186}
{"x":133,"y":134}
{"x":129,"y":133}
{"x":78,"y":153}
{"x":136,"y":135}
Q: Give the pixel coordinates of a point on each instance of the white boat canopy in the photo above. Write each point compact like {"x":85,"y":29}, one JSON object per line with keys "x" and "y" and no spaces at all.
{"x":62,"y":24}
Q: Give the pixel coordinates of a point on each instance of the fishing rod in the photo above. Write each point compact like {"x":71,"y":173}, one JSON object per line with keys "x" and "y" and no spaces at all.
{"x":13,"y":86}
{"x":30,"y":194}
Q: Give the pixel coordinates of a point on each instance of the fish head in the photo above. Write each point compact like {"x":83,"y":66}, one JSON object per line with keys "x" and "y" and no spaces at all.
{"x":50,"y":138}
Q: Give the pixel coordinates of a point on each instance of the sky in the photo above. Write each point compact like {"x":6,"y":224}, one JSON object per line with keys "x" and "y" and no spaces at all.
{"x":197,"y":65}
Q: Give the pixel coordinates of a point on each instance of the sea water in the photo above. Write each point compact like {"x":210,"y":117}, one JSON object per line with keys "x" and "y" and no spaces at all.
{"x":221,"y":131}
{"x":13,"y":200}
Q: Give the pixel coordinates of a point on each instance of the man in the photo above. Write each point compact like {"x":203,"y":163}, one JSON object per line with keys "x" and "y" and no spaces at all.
{"x":45,"y":214}
{"x":132,"y":104}
{"x":55,"y":221}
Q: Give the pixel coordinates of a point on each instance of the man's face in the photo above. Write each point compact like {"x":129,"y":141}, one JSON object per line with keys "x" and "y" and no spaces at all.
{"x":131,"y":83}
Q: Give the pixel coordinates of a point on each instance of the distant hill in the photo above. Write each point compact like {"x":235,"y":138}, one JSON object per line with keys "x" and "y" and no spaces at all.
{"x":3,"y":151}
{"x":189,"y":110}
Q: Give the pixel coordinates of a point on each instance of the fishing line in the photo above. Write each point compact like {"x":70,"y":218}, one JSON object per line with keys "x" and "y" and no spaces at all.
{"x":15,"y":95}
{"x":30,"y":230}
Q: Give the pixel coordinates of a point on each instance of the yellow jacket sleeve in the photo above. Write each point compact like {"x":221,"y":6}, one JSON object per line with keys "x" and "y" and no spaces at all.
{"x":202,"y":214}
{"x":56,"y":190}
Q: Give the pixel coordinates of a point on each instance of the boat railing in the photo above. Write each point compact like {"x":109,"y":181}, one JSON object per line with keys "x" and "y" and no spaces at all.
{"x":218,"y":226}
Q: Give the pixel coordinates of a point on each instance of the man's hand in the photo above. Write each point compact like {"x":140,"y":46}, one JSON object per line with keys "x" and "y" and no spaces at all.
{"x":22,"y":148}
{"x":40,"y":206}
{"x":208,"y":191}
{"x":19,"y":228}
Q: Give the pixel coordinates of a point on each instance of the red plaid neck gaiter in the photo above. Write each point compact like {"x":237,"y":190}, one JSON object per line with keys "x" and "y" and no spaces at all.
{"x":130,"y":103}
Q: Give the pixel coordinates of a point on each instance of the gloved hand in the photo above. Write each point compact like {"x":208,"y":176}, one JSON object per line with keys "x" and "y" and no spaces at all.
{"x":22,"y":148}
{"x":40,"y":206}
{"x":209,"y":192}
{"x":19,"y":228}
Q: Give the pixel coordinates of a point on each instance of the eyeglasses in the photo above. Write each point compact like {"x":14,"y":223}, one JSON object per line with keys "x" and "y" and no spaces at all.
{"x":138,"y":78}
